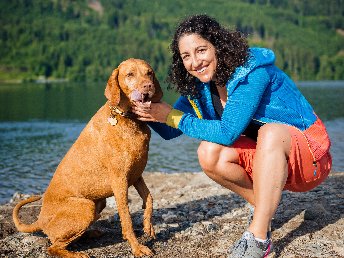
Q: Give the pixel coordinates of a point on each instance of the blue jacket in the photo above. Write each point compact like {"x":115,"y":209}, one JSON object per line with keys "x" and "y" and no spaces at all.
{"x":258,"y":92}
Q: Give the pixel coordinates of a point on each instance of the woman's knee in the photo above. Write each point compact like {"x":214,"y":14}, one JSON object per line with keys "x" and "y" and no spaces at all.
{"x":211,"y":154}
{"x":273,"y":136}
{"x":208,"y":154}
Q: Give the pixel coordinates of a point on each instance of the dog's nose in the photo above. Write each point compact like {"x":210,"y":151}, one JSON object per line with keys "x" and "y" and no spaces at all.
{"x":147,"y":86}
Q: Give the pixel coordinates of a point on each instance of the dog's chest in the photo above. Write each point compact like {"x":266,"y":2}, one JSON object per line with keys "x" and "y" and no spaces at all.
{"x":129,"y":148}
{"x":129,"y":133}
{"x":126,"y":140}
{"x":129,"y":139}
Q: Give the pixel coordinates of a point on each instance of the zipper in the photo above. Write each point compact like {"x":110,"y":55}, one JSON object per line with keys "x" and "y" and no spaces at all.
{"x":309,"y":147}
{"x":263,"y":123}
{"x":194,"y":106}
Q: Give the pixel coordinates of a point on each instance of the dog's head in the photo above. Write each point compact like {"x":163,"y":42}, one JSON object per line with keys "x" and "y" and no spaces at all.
{"x":133,"y":80}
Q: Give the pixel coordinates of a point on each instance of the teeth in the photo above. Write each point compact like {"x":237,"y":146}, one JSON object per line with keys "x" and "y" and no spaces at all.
{"x":202,"y":70}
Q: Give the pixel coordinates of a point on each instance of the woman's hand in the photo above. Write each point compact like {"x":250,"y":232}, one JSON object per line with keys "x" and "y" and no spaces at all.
{"x":152,"y":112}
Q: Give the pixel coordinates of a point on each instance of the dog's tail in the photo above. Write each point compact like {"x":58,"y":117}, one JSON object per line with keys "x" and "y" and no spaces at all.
{"x":24,"y":227}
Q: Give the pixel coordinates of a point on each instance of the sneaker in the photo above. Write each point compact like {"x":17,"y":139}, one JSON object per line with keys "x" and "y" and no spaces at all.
{"x":248,"y":246}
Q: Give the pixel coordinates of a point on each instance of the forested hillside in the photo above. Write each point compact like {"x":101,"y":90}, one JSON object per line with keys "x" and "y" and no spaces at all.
{"x":83,"y":40}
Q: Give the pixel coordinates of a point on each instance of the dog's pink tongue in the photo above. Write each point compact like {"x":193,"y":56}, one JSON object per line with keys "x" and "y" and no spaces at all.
{"x":136,"y":95}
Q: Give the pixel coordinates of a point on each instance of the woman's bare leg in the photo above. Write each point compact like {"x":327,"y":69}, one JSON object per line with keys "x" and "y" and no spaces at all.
{"x":220,"y":163}
{"x":270,"y":171}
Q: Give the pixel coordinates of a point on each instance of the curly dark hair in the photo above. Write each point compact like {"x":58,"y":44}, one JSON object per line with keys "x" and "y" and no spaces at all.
{"x":231,"y":52}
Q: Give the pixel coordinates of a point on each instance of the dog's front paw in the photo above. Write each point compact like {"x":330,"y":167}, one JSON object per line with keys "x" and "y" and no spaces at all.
{"x":149,"y":230}
{"x":141,"y":250}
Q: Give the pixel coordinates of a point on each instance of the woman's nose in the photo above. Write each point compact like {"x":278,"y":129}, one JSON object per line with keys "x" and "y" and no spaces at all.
{"x":196,"y":62}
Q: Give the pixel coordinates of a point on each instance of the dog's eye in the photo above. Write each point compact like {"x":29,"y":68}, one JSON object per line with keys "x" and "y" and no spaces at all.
{"x":150,"y":73}
{"x":131,"y":74}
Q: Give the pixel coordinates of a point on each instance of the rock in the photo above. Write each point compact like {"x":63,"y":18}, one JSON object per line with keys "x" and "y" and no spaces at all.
{"x":317,"y":211}
{"x":169,"y":217}
{"x":194,"y":217}
{"x":18,"y":196}
{"x":210,"y":226}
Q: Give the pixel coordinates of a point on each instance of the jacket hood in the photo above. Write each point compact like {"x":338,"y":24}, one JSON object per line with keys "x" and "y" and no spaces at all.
{"x":257,"y":57}
{"x":260,"y":57}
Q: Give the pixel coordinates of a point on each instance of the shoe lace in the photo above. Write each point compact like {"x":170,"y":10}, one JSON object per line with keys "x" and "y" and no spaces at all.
{"x":241,"y":245}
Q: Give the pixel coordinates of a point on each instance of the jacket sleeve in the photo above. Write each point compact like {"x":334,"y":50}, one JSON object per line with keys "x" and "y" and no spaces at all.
{"x":167,"y":132}
{"x":240,"y":108}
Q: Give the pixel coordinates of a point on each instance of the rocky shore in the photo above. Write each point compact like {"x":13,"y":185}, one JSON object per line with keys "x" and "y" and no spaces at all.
{"x":194,"y":217}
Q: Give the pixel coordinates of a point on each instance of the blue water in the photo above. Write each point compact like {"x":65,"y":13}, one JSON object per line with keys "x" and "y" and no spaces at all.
{"x":31,"y":151}
{"x":31,"y":145}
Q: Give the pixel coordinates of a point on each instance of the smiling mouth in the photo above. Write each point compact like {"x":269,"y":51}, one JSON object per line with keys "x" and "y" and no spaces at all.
{"x":202,"y":70}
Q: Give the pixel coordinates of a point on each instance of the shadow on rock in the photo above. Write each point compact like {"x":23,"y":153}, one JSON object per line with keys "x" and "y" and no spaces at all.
{"x":166,"y":221}
{"x":311,"y":211}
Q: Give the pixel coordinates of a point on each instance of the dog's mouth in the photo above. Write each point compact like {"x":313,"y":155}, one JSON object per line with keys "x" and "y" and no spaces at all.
{"x":137,"y":96}
{"x":145,"y":97}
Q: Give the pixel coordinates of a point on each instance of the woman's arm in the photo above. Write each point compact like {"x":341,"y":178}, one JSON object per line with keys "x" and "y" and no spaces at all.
{"x":239,"y":110}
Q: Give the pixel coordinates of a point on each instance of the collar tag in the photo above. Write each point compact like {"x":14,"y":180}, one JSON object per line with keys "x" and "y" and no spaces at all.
{"x":112,"y":121}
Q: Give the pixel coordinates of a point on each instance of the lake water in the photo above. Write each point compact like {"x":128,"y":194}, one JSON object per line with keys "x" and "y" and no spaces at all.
{"x":39,"y":123}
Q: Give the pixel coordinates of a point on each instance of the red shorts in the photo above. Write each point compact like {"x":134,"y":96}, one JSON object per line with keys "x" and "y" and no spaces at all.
{"x":303,"y":175}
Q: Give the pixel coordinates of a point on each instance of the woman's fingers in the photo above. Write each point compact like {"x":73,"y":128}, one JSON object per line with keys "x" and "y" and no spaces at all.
{"x":152,"y":112}
{"x":143,"y":106}
{"x":142,"y":114}
{"x":140,"y":111}
{"x":146,"y":119}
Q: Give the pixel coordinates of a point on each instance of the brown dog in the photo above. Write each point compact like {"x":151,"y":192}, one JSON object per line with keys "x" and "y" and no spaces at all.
{"x":108,"y":157}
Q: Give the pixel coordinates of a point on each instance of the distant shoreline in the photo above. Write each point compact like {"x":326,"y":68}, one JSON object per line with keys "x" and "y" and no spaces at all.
{"x":327,"y":83}
{"x":39,"y":80}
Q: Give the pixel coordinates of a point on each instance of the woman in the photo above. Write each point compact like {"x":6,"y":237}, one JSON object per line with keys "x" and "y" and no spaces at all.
{"x":259,"y":134}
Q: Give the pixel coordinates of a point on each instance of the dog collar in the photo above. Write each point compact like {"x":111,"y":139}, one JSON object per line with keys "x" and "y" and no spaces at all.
{"x":116,"y":111}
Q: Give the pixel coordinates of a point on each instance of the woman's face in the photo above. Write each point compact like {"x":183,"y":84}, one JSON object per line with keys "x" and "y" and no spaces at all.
{"x":198,"y":56}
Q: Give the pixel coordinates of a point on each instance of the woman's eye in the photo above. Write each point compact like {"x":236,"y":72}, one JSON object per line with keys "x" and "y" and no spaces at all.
{"x":185,"y":57}
{"x":201,"y":50}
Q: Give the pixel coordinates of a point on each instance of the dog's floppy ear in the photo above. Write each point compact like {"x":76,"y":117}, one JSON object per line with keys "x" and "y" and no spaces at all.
{"x":158,"y":92}
{"x":112,"y":90}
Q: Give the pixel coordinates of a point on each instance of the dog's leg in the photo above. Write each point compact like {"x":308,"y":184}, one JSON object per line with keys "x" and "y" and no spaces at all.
{"x":120,"y":189}
{"x":95,"y":233}
{"x":143,"y":191}
{"x":100,"y":205}
{"x":58,"y":249}
{"x":72,"y":217}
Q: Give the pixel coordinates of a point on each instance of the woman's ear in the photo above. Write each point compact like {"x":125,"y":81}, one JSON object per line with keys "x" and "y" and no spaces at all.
{"x":158,"y":92}
{"x":112,"y":90}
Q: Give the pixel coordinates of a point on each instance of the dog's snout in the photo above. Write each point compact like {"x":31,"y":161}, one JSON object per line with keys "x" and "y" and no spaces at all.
{"x":148,"y":86}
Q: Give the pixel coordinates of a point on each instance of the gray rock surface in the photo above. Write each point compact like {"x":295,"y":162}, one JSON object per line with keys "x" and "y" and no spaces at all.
{"x":195,"y":217}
